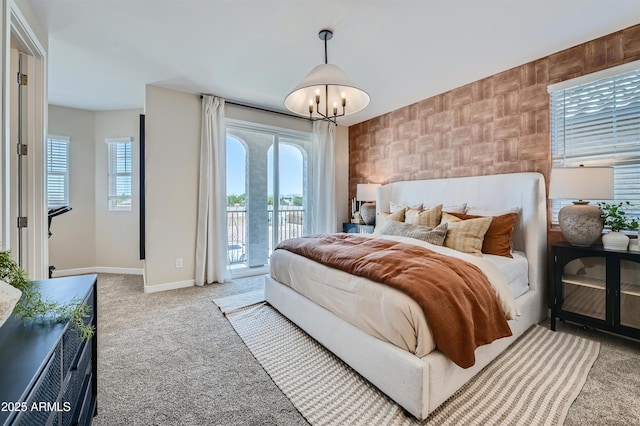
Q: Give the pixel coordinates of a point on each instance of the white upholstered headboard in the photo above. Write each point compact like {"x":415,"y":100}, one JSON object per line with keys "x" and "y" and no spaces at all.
{"x":496,"y":192}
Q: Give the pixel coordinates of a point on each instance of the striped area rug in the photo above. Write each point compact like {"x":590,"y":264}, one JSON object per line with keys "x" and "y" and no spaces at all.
{"x":533,"y":382}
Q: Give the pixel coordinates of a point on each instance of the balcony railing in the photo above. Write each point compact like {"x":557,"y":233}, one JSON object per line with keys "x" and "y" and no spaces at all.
{"x":289,"y":223}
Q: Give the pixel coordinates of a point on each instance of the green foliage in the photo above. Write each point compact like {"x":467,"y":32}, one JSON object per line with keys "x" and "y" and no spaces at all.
{"x":240,"y":200}
{"x":615,"y":216}
{"x":32,"y":306}
{"x":236,"y":200}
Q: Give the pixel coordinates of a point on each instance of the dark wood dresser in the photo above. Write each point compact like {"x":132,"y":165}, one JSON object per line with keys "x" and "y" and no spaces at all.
{"x":47,"y":375}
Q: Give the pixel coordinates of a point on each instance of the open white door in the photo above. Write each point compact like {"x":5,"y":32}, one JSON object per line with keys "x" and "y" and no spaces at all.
{"x":24,"y":107}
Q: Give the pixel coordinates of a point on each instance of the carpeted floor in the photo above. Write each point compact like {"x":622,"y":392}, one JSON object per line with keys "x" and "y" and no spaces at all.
{"x":534,"y":382}
{"x":171,"y":358}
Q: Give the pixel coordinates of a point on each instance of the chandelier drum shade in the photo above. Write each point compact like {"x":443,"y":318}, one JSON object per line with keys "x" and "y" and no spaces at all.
{"x":327,"y":92}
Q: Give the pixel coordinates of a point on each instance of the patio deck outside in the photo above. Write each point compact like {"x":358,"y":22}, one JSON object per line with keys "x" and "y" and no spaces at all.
{"x":289,"y":220}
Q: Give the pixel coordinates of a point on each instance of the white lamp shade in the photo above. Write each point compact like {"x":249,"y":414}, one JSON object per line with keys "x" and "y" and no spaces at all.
{"x":582,"y":183}
{"x":337,"y":84}
{"x":367,"y":191}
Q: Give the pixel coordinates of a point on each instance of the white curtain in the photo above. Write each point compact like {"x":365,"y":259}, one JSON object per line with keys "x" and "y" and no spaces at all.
{"x":211,"y":238}
{"x":322,"y":203}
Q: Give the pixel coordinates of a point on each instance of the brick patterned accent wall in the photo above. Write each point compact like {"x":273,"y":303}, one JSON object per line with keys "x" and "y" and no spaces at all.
{"x":499,"y":124}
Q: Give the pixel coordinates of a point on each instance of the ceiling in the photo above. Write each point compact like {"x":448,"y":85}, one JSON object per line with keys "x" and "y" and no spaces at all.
{"x":102,"y":53}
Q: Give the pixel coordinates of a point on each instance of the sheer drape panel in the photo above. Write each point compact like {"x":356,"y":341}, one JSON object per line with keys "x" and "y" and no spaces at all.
{"x":211,"y":238}
{"x":322,"y":202}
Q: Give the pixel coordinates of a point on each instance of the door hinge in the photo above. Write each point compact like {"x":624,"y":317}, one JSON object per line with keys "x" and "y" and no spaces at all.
{"x":22,"y":79}
{"x":22,"y":149}
{"x":22,"y":222}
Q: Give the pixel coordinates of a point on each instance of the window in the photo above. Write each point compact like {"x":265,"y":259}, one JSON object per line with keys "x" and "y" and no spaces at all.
{"x":595,"y":121}
{"x":267,"y":190}
{"x":119,"y":173}
{"x":57,"y":171}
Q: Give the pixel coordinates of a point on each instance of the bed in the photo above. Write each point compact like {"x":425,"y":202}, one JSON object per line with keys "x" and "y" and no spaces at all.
{"x":417,"y":377}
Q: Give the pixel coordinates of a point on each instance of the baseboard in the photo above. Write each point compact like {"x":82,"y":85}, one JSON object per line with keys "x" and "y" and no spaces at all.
{"x":97,"y":270}
{"x":168,"y":286}
{"x":127,"y":271}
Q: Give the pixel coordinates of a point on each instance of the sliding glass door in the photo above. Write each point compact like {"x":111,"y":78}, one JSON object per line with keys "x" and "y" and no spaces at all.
{"x":266,"y":190}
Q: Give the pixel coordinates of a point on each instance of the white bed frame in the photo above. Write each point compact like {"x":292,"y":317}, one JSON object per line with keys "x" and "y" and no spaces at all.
{"x":420,"y":385}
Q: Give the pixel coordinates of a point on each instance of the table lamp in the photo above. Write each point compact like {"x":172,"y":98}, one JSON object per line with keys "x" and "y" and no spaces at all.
{"x":367,"y":192}
{"x":580,"y":222}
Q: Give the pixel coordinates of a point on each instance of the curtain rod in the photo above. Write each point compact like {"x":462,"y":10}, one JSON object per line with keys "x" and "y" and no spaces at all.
{"x":273,"y":111}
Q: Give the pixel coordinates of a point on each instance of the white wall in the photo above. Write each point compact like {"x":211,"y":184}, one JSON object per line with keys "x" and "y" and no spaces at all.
{"x":90,"y":238}
{"x":73,"y":242}
{"x":172,"y":148}
{"x":116,"y":232}
{"x":173,"y":121}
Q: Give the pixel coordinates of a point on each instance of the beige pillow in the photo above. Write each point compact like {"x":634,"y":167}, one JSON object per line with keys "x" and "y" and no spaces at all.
{"x":382,"y":217}
{"x":466,"y":235}
{"x":455,"y":208}
{"x":429,"y":217}
{"x":431,"y":235}
{"x":498,"y":238}
{"x":483,"y":211}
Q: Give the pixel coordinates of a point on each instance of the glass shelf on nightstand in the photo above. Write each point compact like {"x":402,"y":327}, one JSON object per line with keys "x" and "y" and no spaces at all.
{"x":597,"y":287}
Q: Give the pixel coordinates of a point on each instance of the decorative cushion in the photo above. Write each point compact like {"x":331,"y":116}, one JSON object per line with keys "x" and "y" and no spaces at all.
{"x":465,"y":235}
{"x":497,"y":240}
{"x":455,"y":208}
{"x":484,"y":211}
{"x":382,"y":217}
{"x":431,"y":235}
{"x":430,"y":217}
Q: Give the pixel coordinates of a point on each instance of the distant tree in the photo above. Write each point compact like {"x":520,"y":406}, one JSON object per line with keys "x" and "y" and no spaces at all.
{"x":270,"y":200}
{"x":297,"y":200}
{"x":236,"y":200}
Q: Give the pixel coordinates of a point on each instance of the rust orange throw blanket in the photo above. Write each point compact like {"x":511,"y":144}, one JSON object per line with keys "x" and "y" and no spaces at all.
{"x":457,"y":299}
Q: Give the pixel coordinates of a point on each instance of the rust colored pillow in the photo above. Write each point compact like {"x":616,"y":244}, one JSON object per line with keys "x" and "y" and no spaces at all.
{"x":497,"y":240}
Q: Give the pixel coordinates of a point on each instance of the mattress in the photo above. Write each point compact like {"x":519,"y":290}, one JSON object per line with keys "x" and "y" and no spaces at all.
{"x":382,"y":311}
{"x":515,"y":270}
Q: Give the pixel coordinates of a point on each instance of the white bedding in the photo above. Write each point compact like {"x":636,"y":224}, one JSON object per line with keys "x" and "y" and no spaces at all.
{"x":515,"y":270}
{"x":382,"y":311}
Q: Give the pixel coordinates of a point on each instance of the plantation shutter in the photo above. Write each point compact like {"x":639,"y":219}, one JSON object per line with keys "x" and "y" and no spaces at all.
{"x":120,"y":173}
{"x":597,"y":123}
{"x":57,"y":171}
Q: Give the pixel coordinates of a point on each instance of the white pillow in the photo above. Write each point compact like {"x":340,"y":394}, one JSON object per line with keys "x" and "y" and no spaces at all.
{"x":485,"y":211}
{"x":455,"y":208}
{"x":394,"y":207}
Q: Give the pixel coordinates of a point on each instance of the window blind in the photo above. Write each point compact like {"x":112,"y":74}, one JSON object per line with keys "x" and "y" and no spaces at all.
{"x":597,"y":123}
{"x":57,"y":171}
{"x":120,"y":173}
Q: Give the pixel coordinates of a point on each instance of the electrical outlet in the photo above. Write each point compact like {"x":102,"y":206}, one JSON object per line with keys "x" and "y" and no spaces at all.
{"x":178,"y":263}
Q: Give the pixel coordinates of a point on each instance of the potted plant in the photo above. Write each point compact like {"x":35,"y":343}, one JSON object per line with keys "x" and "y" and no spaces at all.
{"x":615,"y":217}
{"x":32,"y":306}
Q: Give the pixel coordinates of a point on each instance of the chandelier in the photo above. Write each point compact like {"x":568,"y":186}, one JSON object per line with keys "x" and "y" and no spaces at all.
{"x":327,"y":92}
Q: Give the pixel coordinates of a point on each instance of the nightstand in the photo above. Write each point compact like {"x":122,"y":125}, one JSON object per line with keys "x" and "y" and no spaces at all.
{"x":356,"y":228}
{"x":596,"y":287}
